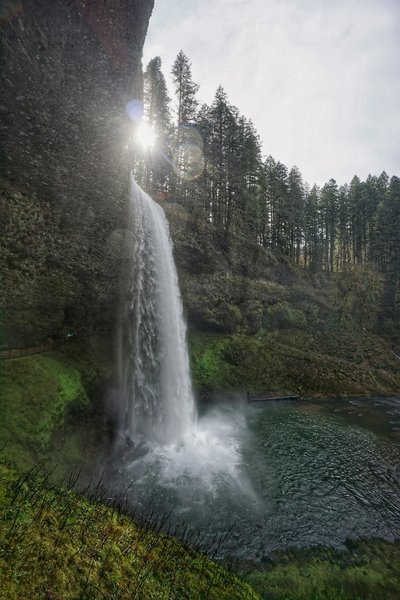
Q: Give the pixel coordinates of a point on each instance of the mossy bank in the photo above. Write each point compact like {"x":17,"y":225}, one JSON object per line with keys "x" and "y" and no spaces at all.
{"x":51,"y":406}
{"x":57,"y":545}
{"x":365,"y":570}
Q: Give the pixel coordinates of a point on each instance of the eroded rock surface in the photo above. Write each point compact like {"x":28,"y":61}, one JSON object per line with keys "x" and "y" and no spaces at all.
{"x":68,"y":68}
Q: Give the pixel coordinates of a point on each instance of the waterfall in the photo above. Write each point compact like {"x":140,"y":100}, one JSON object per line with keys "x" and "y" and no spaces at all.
{"x":178,"y":463}
{"x":156,"y":401}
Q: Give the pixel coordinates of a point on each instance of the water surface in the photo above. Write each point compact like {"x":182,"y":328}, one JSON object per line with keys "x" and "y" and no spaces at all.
{"x":269,"y":476}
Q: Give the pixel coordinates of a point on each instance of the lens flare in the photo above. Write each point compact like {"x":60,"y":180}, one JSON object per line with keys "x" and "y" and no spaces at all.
{"x":145,"y":136}
{"x":135,"y":109}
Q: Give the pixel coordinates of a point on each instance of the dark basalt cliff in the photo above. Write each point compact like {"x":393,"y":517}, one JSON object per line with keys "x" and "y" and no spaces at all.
{"x":67,"y":69}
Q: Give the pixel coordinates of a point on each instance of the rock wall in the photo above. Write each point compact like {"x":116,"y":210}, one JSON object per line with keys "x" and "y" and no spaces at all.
{"x":258,"y":324}
{"x":67,"y":70}
{"x":228,"y":283}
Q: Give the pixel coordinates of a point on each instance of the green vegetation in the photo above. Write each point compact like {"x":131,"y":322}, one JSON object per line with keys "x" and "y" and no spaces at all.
{"x":366,"y":571}
{"x":333,"y":358}
{"x":209,"y":371}
{"x":42,"y":395}
{"x":54,"y":544}
{"x":238,"y":362}
{"x":328,"y":229}
{"x":283,"y":315}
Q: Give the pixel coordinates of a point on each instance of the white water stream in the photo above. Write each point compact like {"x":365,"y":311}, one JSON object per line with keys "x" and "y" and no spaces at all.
{"x":170,"y":455}
{"x":157,"y":403}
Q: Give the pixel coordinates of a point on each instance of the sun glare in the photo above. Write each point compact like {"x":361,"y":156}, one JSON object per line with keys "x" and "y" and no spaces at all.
{"x":145,"y":135}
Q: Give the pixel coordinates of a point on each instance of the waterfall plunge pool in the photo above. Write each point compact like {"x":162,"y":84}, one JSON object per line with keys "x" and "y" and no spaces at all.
{"x":274,"y":475}
{"x":259,"y":477}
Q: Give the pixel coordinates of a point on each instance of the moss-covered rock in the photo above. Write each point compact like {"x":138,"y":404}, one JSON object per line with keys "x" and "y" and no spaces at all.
{"x":284,"y":315}
{"x":302,"y":362}
{"x":47,"y":405}
{"x":53,"y":277}
{"x":67,"y":71}
{"x":253,"y":315}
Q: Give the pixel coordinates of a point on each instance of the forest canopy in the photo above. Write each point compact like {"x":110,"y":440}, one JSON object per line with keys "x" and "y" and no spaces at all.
{"x":209,"y":158}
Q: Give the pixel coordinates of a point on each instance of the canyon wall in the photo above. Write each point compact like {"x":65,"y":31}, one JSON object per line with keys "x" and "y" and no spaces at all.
{"x":67,"y":70}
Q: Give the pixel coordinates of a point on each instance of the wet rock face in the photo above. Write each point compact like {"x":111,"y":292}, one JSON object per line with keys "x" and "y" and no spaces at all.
{"x":67,"y":70}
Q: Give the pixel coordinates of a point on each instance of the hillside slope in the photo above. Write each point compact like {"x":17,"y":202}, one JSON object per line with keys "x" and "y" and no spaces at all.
{"x":59,"y":546}
{"x":256,"y":323}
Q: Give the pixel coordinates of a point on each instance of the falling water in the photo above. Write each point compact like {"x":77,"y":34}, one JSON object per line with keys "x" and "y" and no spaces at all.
{"x":176,"y":461}
{"x":156,"y":399}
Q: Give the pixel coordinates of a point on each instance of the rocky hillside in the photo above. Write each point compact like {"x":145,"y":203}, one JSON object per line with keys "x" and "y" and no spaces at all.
{"x":256,"y":323}
{"x":67,"y":70}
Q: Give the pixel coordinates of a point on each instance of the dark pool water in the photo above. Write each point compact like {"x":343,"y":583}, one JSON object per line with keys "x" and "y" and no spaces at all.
{"x":274,"y":475}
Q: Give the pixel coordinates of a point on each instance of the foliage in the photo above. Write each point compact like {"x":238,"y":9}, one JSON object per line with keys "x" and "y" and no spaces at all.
{"x":208,"y":369}
{"x":39,"y":393}
{"x":321,"y":229}
{"x":153,"y":169}
{"x":359,"y":293}
{"x":55,"y":544}
{"x":185,"y":89}
{"x":332,"y":358}
{"x":285,"y":314}
{"x":366,"y":571}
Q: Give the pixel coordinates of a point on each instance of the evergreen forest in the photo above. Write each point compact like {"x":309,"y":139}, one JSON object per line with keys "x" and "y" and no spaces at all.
{"x":209,"y":158}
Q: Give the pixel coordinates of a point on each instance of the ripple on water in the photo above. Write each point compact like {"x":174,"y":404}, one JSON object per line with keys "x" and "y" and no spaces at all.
{"x":278,"y":474}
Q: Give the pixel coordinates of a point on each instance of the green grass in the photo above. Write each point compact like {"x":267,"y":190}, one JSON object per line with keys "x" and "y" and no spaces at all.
{"x":369,"y":570}
{"x":55,"y":544}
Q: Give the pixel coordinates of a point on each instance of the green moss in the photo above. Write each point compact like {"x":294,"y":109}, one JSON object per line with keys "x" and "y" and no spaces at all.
{"x":209,"y":371}
{"x":370,"y":570}
{"x":237,"y":362}
{"x":284,"y":314}
{"x":329,"y":362}
{"x":40,"y":395}
{"x":55,"y":544}
{"x":37,"y":393}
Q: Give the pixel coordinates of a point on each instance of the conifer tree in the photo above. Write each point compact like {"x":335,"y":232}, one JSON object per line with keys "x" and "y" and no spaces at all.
{"x":344,"y":239}
{"x":388,"y":225}
{"x":312,"y":231}
{"x":295,"y":213}
{"x":329,"y":207}
{"x":157,"y":113}
{"x":186,"y":106}
{"x":278,"y":192}
{"x":185,"y":90}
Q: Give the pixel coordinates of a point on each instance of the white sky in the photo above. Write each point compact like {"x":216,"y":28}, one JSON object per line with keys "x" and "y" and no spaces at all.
{"x":319,"y":78}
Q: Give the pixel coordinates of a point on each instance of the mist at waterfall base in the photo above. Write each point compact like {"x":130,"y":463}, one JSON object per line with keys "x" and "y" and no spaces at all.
{"x":173,"y":457}
{"x":263,"y":477}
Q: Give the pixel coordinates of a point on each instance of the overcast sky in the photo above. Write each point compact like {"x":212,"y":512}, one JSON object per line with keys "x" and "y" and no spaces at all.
{"x":319,"y":78}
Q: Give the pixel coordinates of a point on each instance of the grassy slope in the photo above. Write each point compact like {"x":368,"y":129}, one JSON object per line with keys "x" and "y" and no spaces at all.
{"x":41,"y":395}
{"x":56,"y":545}
{"x":368,"y":570}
